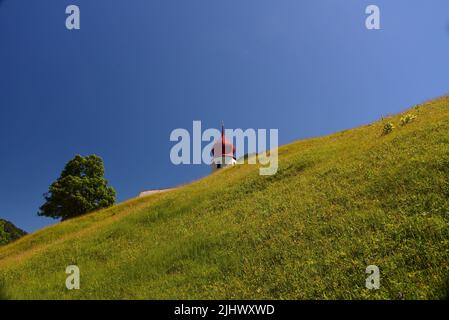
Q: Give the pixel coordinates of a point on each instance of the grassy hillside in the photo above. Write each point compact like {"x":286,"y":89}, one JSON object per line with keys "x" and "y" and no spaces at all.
{"x":9,"y":232}
{"x":337,"y":204}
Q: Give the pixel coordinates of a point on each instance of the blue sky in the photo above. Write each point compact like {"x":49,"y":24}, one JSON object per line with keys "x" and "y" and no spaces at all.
{"x":139,"y":69}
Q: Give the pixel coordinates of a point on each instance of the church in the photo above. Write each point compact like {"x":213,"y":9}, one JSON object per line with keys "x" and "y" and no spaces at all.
{"x":223,"y":155}
{"x":223,"y":152}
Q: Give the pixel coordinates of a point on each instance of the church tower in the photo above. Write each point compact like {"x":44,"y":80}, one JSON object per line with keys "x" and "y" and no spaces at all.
{"x":223,"y":152}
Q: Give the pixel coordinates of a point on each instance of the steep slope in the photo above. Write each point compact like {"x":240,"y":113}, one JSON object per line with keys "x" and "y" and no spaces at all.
{"x":9,"y":232}
{"x":337,"y":204}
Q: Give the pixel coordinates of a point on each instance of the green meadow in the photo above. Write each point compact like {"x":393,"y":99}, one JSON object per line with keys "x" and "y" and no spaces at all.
{"x":337,"y":204}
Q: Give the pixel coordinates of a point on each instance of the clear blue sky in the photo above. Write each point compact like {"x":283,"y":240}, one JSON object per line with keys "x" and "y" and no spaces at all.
{"x":139,"y":69}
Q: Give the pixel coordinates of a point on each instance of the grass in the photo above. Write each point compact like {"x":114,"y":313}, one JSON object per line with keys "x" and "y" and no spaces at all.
{"x":337,"y":204}
{"x":2,"y":293}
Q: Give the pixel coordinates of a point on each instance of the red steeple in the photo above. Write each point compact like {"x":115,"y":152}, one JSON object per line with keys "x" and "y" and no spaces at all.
{"x":223,"y":148}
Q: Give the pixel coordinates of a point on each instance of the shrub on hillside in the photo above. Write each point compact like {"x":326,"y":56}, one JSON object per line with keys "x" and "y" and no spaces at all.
{"x":407,"y":119}
{"x":80,"y":189}
{"x":388,"y":128}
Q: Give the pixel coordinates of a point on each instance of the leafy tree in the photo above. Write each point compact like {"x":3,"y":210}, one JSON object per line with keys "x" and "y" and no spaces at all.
{"x":9,"y":232}
{"x":81,"y":188}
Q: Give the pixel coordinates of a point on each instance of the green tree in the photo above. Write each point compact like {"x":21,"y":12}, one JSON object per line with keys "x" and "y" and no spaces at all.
{"x":9,"y":232}
{"x":80,"y":189}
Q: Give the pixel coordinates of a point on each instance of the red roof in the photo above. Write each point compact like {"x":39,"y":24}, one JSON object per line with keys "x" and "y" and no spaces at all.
{"x":223,"y":147}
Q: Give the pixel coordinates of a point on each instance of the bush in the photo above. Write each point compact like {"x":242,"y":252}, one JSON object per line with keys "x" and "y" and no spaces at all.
{"x":407,"y":119}
{"x":388,"y":128}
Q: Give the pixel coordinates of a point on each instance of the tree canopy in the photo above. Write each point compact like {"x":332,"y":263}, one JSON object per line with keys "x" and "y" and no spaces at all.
{"x":9,"y":232}
{"x":80,"y":189}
